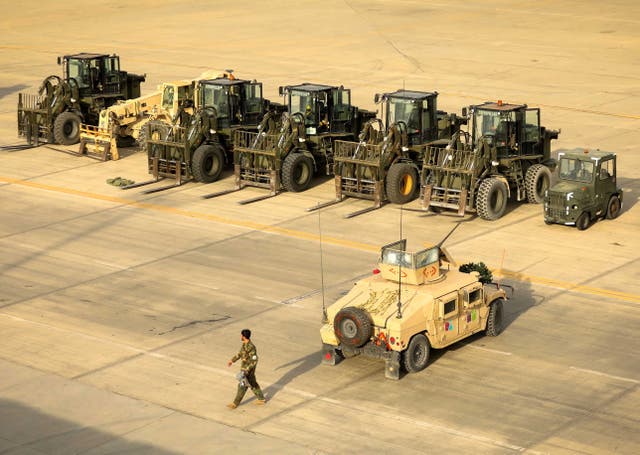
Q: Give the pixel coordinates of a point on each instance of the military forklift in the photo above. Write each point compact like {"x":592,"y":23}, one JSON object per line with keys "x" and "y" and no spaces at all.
{"x":586,"y":189}
{"x":286,"y":153}
{"x":199,"y":147}
{"x":385,"y":162}
{"x":89,"y":84}
{"x":504,"y":152}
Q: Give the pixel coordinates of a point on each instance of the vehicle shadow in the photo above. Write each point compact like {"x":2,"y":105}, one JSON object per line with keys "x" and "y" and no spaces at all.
{"x":630,"y":192}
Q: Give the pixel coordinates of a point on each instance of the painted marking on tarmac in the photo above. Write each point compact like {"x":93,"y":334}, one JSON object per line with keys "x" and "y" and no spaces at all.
{"x":280,"y":302}
{"x":495,"y":351}
{"x":599,"y":373}
{"x":304,"y":235}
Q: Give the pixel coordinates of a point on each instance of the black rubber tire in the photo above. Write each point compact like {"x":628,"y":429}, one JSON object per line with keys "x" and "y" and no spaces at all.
{"x":536,"y":181}
{"x":613,"y":207}
{"x":401,"y":183}
{"x":297,"y":172}
{"x":207,"y":163}
{"x":416,"y":357}
{"x":583,"y":222}
{"x":494,"y":320}
{"x":353,"y":327}
{"x":66,"y":128}
{"x":491,"y":201}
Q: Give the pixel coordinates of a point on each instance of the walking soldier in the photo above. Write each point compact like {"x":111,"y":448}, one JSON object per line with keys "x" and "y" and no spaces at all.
{"x":247,"y":376}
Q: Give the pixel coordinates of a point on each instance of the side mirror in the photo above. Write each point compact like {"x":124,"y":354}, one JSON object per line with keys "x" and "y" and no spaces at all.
{"x":281,"y":90}
{"x":464,"y":112}
{"x":59,"y":60}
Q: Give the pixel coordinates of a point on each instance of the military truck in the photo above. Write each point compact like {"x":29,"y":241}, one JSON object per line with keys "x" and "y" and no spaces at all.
{"x":586,"y":189}
{"x":385,"y":162}
{"x":89,"y":84}
{"x":300,"y":144}
{"x":505,"y":152}
{"x":200,"y":148}
{"x":413,"y":302}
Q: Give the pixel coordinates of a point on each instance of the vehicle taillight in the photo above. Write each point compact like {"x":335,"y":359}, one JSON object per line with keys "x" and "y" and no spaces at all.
{"x":392,"y":340}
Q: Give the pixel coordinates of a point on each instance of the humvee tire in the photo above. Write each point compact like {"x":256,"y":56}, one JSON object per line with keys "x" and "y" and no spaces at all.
{"x":353,"y":327}
{"x":491,"y":201}
{"x":416,"y":356}
{"x":66,"y":128}
{"x":297,"y":171}
{"x":494,"y":320}
{"x":537,"y":180}
{"x":207,"y":163}
{"x":583,"y":221}
{"x":401,"y":184}
{"x":613,"y":208}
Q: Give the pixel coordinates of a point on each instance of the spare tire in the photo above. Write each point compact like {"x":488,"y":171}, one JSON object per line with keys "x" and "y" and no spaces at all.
{"x":353,"y":327}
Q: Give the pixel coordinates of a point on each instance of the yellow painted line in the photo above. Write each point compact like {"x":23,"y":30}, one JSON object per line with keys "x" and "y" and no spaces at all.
{"x":305,"y":235}
{"x":568,"y":286}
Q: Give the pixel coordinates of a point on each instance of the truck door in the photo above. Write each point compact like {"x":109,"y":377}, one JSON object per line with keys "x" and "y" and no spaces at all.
{"x":605,"y":183}
{"x":341,"y":109}
{"x":530,"y":132}
{"x":469,"y":320}
{"x":254,"y":107}
{"x":448,"y":317}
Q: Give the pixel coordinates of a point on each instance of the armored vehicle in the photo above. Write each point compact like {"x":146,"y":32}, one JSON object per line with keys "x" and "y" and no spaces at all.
{"x":412,"y":303}
{"x":385,"y":162}
{"x":89,"y":84}
{"x":286,"y":153}
{"x":201,"y":146}
{"x":586,"y":189}
{"x":504,"y":152}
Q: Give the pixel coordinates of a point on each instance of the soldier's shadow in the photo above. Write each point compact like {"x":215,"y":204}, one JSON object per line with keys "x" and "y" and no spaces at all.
{"x":302,"y":366}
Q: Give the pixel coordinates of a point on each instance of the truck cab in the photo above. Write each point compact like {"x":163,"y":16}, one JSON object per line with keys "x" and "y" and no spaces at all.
{"x":586,"y":189}
{"x":416,"y":111}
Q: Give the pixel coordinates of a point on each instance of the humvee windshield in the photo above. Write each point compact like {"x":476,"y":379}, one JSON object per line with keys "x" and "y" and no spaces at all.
{"x":576,"y":170}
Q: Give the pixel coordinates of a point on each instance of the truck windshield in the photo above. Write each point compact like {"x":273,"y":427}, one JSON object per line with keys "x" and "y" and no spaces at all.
{"x":495,"y":125}
{"x":576,"y":170}
{"x":403,"y":110}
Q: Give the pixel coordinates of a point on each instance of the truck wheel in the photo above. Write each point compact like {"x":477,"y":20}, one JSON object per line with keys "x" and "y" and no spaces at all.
{"x":297,"y":171}
{"x":416,"y":356}
{"x":613,"y":208}
{"x":491,"y":201}
{"x":402,"y":182}
{"x":66,"y":128}
{"x":536,"y":182}
{"x":352,"y":326}
{"x":207,"y":163}
{"x":583,"y":221}
{"x":494,"y":321}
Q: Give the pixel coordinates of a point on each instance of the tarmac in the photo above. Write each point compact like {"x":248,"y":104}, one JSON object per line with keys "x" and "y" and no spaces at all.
{"x":119,"y":309}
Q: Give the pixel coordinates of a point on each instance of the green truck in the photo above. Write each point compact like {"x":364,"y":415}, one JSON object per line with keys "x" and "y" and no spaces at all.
{"x":586,"y":189}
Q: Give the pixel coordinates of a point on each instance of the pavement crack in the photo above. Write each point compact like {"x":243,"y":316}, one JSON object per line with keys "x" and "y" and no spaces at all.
{"x":201,"y":321}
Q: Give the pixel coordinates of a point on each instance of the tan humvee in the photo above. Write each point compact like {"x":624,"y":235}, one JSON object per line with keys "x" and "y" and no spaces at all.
{"x":413,"y":302}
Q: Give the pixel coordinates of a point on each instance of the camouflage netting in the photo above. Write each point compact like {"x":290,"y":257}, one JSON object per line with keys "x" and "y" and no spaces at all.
{"x":480,"y":267}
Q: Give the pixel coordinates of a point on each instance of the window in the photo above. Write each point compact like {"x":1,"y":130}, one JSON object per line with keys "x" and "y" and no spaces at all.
{"x":606,"y":169}
{"x":475,"y":295}
{"x":449,"y":307}
{"x":574,"y":169}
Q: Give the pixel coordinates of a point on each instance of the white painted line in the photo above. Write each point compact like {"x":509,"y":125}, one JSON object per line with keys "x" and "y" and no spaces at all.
{"x":599,"y":373}
{"x":263,"y":299}
{"x":495,"y":351}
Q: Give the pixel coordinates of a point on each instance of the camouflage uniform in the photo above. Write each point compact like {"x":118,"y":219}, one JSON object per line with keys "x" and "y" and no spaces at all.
{"x":249,"y":357}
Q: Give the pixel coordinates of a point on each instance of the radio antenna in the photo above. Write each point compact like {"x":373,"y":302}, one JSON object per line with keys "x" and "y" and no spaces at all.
{"x":399,"y":314}
{"x":325,"y":318}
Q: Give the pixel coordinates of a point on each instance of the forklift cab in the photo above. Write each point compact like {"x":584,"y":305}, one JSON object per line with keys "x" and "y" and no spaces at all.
{"x":416,"y":110}
{"x":94,"y":74}
{"x":324,"y":108}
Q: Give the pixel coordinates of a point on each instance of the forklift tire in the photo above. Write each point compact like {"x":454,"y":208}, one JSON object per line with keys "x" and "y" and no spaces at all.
{"x":583,"y":221}
{"x":66,"y":128}
{"x":491,"y":201}
{"x":537,"y":181}
{"x":297,"y":172}
{"x":207,"y":163}
{"x":613,"y":208}
{"x":401,"y":183}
